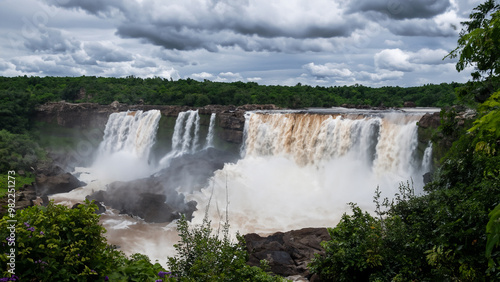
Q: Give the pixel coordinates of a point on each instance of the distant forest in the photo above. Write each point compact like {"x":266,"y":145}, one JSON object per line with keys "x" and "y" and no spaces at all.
{"x":190,"y":92}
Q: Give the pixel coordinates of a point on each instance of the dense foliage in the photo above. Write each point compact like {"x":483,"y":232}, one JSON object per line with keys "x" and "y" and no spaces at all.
{"x":55,"y":243}
{"x":19,"y":152}
{"x":159,"y":91}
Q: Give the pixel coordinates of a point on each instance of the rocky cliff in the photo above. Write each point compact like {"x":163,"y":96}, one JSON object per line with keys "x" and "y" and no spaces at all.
{"x":89,"y":115}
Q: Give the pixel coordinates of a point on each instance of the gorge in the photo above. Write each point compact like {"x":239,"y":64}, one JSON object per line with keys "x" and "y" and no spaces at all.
{"x":273,"y":170}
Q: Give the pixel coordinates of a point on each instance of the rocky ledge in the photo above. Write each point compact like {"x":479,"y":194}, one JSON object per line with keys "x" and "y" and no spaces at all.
{"x":90,"y":115}
{"x":288,"y":253}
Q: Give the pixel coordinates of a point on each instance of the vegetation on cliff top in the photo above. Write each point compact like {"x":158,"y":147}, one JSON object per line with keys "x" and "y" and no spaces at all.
{"x":159,"y":91}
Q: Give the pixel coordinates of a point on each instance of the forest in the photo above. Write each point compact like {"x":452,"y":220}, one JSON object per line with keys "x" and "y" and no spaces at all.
{"x":451,"y":233}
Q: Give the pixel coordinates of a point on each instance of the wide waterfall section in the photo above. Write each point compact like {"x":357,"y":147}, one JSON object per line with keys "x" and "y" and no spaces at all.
{"x":296,"y":170}
{"x":301,"y":169}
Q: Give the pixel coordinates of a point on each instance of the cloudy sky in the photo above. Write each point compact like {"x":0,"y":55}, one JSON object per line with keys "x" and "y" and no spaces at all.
{"x":316,"y":42}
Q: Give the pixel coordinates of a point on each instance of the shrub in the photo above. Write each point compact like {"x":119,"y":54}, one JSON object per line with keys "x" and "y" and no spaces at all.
{"x":56,"y":243}
{"x":203,"y":255}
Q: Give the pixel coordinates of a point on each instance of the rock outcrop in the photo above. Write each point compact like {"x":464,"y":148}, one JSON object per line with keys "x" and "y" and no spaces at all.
{"x":146,"y":199}
{"x":52,"y":179}
{"x":287,"y":253}
{"x":430,"y":121}
{"x":156,"y":199}
{"x":90,"y":115}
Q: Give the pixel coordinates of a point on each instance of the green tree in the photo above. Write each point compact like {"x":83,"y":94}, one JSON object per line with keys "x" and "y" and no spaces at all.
{"x":479,"y":46}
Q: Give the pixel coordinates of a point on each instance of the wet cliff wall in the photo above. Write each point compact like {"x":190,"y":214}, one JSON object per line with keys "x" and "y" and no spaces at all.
{"x":86,"y":116}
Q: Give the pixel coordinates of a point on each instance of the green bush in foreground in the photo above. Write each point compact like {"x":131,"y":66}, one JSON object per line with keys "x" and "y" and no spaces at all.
{"x":203,"y":256}
{"x":56,"y":243}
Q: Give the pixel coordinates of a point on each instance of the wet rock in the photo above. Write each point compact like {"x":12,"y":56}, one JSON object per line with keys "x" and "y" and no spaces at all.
{"x":288,"y":253}
{"x":25,"y":197}
{"x":53,"y":180}
{"x":145,"y":198}
{"x":430,"y":121}
{"x":156,"y":198}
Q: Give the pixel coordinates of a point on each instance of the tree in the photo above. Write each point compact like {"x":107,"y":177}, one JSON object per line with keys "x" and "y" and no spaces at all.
{"x":479,"y":42}
{"x":479,"y":46}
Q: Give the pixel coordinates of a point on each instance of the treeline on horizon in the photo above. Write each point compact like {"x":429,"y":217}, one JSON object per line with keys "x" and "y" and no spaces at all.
{"x":190,"y":92}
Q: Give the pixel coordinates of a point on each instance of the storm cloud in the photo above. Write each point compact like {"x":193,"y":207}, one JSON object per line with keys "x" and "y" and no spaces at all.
{"x":316,"y":42}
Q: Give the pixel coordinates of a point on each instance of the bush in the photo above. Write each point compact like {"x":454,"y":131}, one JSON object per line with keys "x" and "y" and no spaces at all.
{"x":18,"y":152}
{"x":353,"y":254}
{"x":203,"y":256}
{"x":55,"y":243}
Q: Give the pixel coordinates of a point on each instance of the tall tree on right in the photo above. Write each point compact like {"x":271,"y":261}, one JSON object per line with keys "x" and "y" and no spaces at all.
{"x":479,"y":47}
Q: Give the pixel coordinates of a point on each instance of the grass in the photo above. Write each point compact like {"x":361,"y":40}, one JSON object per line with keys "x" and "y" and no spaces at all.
{"x":19,"y":182}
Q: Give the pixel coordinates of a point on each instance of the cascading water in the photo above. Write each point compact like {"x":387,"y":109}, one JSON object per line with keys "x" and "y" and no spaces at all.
{"x":301,"y":170}
{"x":186,"y":137}
{"x":210,"y":135}
{"x":128,"y":138}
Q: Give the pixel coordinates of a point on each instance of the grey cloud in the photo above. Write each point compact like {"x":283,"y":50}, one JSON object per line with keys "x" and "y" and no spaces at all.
{"x":100,"y":52}
{"x":95,"y":7}
{"x":169,"y":38}
{"x":401,"y":9}
{"x":50,"y":40}
{"x":214,"y":24}
{"x":144,"y":63}
{"x":429,"y":57}
{"x":4,"y":65}
{"x":300,"y":30}
{"x":422,"y":27}
{"x":50,"y":65}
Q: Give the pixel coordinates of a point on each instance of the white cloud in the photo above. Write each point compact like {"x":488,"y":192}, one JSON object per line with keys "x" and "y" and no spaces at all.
{"x":202,"y":76}
{"x":329,"y":70}
{"x":393,"y":60}
{"x":229,"y":77}
{"x":406,"y":61}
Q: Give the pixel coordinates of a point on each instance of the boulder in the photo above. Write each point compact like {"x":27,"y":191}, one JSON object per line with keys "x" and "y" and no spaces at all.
{"x":146,"y":199}
{"x":430,"y":121}
{"x":287,"y":253}
{"x":53,"y":179}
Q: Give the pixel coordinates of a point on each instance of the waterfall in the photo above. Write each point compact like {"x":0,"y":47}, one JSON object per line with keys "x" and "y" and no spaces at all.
{"x":186,"y":137}
{"x":427,"y":159}
{"x":301,"y":169}
{"x":210,"y":135}
{"x":386,"y":143}
{"x":186,"y":132}
{"x":128,"y":138}
{"x":133,"y":132}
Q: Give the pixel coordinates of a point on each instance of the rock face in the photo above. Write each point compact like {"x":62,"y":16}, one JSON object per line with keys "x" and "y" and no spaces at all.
{"x":287,"y":253}
{"x":430,"y":121}
{"x":89,"y":115}
{"x":52,"y":180}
